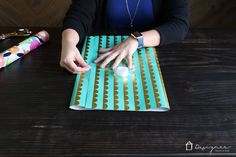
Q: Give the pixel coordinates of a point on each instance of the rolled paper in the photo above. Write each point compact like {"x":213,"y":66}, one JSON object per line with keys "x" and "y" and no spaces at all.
{"x":21,"y":49}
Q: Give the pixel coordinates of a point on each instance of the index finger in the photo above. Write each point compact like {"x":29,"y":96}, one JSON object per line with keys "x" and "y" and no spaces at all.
{"x":130,"y":61}
{"x":105,"y":50}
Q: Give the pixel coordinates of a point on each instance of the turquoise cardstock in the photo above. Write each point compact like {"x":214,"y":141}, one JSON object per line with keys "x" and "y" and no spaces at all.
{"x":100,"y":89}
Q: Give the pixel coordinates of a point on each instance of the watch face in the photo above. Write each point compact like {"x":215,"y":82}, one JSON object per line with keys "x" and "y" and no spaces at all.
{"x":137,"y":34}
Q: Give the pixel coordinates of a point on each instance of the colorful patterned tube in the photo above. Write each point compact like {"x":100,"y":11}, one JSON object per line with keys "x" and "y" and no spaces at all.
{"x":14,"y":53}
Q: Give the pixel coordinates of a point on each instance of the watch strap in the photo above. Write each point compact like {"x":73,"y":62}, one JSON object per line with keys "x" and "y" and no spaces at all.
{"x":139,"y":37}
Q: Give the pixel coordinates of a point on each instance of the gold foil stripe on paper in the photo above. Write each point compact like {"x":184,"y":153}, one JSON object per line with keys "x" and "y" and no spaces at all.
{"x":136,"y":97}
{"x":79,"y":89}
{"x":144,"y":82}
{"x":135,"y":90}
{"x":126,"y":94}
{"x":116,"y":97}
{"x":106,"y":84}
{"x":105,"y":94}
{"x":95,"y":90}
{"x":115,"y":40}
{"x":159,"y":71}
{"x":100,"y":45}
{"x":108,"y":42}
{"x":96,"y":82}
{"x":82,"y":75}
{"x":100,"y":42}
{"x":87,"y":50}
{"x":156,"y":57}
{"x":152,"y":74}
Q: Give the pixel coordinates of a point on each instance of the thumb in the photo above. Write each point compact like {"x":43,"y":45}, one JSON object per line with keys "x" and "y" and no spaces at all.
{"x":81,"y":61}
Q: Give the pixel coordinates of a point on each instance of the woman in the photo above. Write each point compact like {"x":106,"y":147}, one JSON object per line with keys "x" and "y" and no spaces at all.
{"x":156,"y":22}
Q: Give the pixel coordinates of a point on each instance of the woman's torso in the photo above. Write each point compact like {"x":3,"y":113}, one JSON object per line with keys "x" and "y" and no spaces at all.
{"x":125,"y":14}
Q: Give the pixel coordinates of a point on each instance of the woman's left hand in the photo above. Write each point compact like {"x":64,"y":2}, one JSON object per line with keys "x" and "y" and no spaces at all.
{"x":123,"y":50}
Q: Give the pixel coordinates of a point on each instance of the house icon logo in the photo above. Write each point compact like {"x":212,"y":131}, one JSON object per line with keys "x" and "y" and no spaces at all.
{"x":189,"y":146}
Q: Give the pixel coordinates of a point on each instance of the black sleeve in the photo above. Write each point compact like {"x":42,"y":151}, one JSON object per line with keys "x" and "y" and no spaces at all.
{"x":175,"y":22}
{"x":80,"y":16}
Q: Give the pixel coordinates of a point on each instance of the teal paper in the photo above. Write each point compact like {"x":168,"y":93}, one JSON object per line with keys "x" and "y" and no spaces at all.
{"x":100,"y":89}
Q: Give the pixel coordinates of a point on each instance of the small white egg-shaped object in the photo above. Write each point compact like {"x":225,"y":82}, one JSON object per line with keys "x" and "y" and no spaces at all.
{"x":122,"y":71}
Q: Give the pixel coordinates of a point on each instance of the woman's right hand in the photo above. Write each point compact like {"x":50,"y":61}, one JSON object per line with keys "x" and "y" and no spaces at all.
{"x":71,"y":59}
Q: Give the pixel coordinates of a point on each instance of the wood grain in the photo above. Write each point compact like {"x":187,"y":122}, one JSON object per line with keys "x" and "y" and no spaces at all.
{"x":44,"y":13}
{"x":28,"y":13}
{"x":213,"y":13}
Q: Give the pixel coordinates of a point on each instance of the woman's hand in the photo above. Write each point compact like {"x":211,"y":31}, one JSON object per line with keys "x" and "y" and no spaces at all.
{"x":71,"y":59}
{"x":123,"y":50}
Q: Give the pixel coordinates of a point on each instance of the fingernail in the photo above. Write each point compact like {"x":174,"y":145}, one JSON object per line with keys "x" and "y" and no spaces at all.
{"x":87,"y":68}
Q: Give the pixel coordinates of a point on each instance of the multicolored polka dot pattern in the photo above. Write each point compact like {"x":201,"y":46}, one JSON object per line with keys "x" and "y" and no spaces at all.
{"x":14,"y":53}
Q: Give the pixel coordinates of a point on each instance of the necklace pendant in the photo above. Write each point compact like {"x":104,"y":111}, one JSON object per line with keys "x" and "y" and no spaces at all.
{"x":135,"y":12}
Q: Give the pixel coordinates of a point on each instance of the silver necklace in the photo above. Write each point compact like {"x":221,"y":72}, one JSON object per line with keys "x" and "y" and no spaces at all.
{"x":135,"y":12}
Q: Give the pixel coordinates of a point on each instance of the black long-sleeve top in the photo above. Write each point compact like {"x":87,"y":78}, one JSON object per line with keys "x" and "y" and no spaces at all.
{"x":172,"y":18}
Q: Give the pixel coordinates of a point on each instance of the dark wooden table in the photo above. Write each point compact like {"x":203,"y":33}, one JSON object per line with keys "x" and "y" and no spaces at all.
{"x":200,"y":79}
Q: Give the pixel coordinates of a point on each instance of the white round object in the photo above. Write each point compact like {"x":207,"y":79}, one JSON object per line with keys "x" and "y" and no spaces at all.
{"x":122,"y":71}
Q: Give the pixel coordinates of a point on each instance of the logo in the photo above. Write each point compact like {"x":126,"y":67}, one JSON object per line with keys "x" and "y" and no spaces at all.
{"x":189,"y":146}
